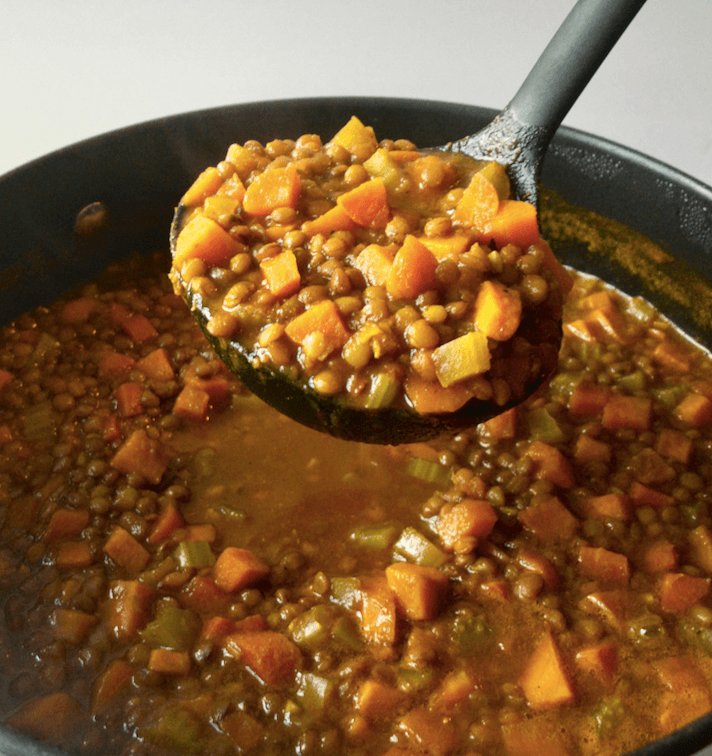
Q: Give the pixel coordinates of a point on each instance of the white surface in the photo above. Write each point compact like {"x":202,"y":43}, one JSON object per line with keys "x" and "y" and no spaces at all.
{"x":71,"y":70}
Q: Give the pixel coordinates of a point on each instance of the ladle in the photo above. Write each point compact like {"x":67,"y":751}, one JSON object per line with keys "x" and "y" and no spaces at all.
{"x":518,"y":139}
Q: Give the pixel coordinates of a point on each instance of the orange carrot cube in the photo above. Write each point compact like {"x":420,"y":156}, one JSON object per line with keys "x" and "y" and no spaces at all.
{"x":236,"y":568}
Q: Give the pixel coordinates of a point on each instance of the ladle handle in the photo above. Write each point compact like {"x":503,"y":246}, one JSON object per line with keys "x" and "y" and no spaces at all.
{"x":573,"y":55}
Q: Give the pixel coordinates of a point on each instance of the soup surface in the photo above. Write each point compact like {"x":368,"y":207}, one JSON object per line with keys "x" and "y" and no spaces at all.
{"x":185,"y":571}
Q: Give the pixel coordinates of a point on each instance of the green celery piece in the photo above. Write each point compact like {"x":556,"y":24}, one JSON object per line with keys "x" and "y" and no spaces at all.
{"x":312,"y":628}
{"x":345,"y":591}
{"x":669,"y":395}
{"x":194,"y":554}
{"x":413,"y":546}
{"x":471,"y":633}
{"x":345,"y":633}
{"x":564,"y":383}
{"x":173,"y":628}
{"x":430,"y":472}
{"x":315,"y":691}
{"x":464,"y":357}
{"x":633,"y":381}
{"x":608,"y":716}
{"x":384,"y":388}
{"x":411,"y":680}
{"x":177,"y":730}
{"x":376,"y":537}
{"x":544,"y":427}
{"x":496,"y":174}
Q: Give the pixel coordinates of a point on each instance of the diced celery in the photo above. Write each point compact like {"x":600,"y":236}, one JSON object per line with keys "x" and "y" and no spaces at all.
{"x":39,"y":423}
{"x":564,"y":383}
{"x":345,"y":633}
{"x":411,"y":680}
{"x":669,"y":395}
{"x":314,"y":691}
{"x":413,"y":546}
{"x":642,"y":310}
{"x":608,"y":716}
{"x":194,"y":554}
{"x":312,"y":628}
{"x":471,"y":633}
{"x":173,"y":628}
{"x":383,"y":165}
{"x":384,"y":388}
{"x":429,"y":471}
{"x":464,"y":357}
{"x":345,"y":591}
{"x":177,"y":730}
{"x":544,"y":427}
{"x":633,"y":381}
{"x":376,"y":537}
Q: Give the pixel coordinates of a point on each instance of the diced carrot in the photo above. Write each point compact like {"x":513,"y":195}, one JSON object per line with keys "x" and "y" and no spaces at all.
{"x":584,"y":330}
{"x":367,"y":203}
{"x":216,"y":629}
{"x":420,"y":591}
{"x":73,"y":555}
{"x":431,"y":397}
{"x":612,"y":506}
{"x":378,"y":612}
{"x":375,"y":262}
{"x":278,"y":187}
{"x":515,"y":223}
{"x":271,"y":656}
{"x":649,"y":497}
{"x":207,"y":183}
{"x":72,"y":626}
{"x":143,"y":455}
{"x":550,"y":521}
{"x":612,"y":323}
{"x":622,"y":411}
{"x":126,"y":551}
{"x":678,"y":591}
{"x":430,"y":732}
{"x":535,"y":562}
{"x":700,"y":541}
{"x":674,"y":445}
{"x":128,"y":399}
{"x":545,"y":681}
{"x":694,"y":410}
{"x":112,"y":429}
{"x":5,"y":434}
{"x":52,"y":718}
{"x":126,"y":610}
{"x":77,"y":311}
{"x":688,"y":695}
{"x":169,"y":520}
{"x":65,"y":524}
{"x":232,"y":188}
{"x":589,"y":450}
{"x":470,"y":517}
{"x":377,"y":700}
{"x":478,"y":205}
{"x":204,"y":596}
{"x":206,"y":240}
{"x":156,"y":366}
{"x":413,"y":270}
{"x":455,"y":687}
{"x":282,"y":274}
{"x":243,"y":729}
{"x":500,"y":427}
{"x":192,"y":404}
{"x":672,"y":356}
{"x":203,"y":532}
{"x":255,"y":623}
{"x":237,"y":568}
{"x":354,"y":134}
{"x":588,"y":398}
{"x":448,"y":247}
{"x":604,"y":565}
{"x":600,"y":661}
{"x":599,"y":300}
{"x":551,"y":464}
{"x":169,"y":662}
{"x":115,"y":678}
{"x":321,"y":318}
{"x":216,"y":387}
{"x":534,"y":737}
{"x":140,"y":329}
{"x":332,"y":220}
{"x":498,"y":311}
{"x":660,"y":556}
{"x":112,"y":363}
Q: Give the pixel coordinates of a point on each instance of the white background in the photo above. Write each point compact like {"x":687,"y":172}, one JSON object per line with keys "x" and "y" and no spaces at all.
{"x":71,"y":70}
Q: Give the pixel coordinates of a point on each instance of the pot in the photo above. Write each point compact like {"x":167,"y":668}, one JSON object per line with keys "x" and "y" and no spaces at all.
{"x":139,"y":174}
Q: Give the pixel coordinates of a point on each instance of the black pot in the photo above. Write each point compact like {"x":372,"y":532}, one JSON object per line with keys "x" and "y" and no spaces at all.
{"x":140,"y":173}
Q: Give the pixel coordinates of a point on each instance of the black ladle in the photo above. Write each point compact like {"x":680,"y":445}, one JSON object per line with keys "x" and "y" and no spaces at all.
{"x":518,"y":139}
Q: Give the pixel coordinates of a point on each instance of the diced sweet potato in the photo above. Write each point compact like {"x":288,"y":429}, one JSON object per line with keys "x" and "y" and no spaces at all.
{"x":545,"y":681}
{"x":420,"y":591}
{"x":236,"y":568}
{"x":469,"y":518}
{"x":271,"y":656}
